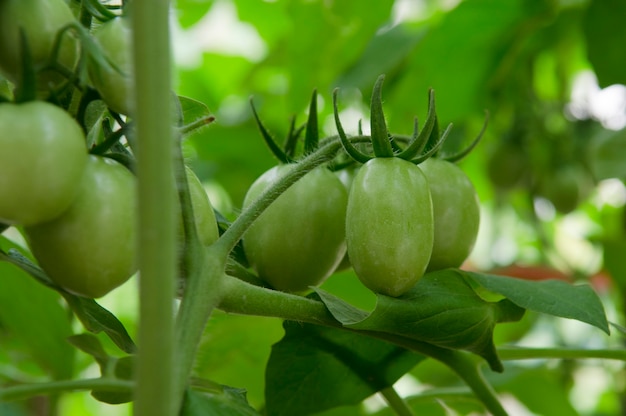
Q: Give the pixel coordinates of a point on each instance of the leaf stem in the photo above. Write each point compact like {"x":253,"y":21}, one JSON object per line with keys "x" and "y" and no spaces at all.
{"x":396,"y":402}
{"x":518,"y":353}
{"x":24,"y":391}
{"x":154,"y":393}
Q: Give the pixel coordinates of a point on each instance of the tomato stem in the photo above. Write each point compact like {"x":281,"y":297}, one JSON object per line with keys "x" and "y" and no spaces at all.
{"x":396,"y":402}
{"x":24,"y":391}
{"x":155,"y":392}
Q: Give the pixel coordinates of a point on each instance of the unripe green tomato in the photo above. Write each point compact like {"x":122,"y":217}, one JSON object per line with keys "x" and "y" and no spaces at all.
{"x":389,"y":225}
{"x":299,"y":239}
{"x":204,"y":216}
{"x":40,"y":20}
{"x":456,"y":212}
{"x":115,"y":84}
{"x":507,"y":165}
{"x":565,"y":187}
{"x":90,"y":249}
{"x":42,"y":158}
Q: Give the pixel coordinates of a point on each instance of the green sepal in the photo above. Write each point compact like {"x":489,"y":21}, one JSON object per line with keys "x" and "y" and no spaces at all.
{"x":311,"y":137}
{"x":98,"y":10}
{"x":350,"y":149}
{"x":435,"y":148}
{"x":269,"y":140}
{"x":460,"y":155}
{"x":27,"y":88}
{"x":380,"y":137}
{"x":418,"y":142}
{"x":292,"y":138}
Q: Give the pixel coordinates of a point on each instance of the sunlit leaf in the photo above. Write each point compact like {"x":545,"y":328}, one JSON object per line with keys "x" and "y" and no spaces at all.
{"x":552,"y":297}
{"x":228,"y":402}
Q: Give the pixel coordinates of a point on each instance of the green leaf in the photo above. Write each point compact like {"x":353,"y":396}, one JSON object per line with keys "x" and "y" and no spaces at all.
{"x":33,"y":314}
{"x":552,"y":297}
{"x":442,"y":309}
{"x":228,"y":402}
{"x":90,"y":344}
{"x":94,"y":317}
{"x":606,"y":36}
{"x":317,"y":368}
{"x":195,"y":114}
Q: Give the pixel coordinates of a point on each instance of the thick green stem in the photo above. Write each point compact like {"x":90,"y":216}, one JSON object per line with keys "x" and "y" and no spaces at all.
{"x":202,"y":294}
{"x":247,"y":299}
{"x":24,"y":391}
{"x":154,"y":394}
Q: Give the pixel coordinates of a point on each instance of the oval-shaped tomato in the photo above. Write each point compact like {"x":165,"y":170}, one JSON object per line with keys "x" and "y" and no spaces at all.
{"x":42,"y":158}
{"x":203,"y":213}
{"x":90,"y":249}
{"x":114,"y":83}
{"x":41,"y":20}
{"x":299,"y":239}
{"x":456,"y":212}
{"x":389,"y":225}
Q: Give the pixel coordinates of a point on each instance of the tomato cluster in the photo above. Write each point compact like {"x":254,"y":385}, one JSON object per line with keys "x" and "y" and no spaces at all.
{"x":76,"y":210}
{"x":401,"y":217}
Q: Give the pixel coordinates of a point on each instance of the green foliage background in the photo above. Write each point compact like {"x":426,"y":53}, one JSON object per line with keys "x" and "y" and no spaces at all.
{"x":517,"y":59}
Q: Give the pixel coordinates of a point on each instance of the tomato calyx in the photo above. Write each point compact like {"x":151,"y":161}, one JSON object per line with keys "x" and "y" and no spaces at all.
{"x":383,"y":143}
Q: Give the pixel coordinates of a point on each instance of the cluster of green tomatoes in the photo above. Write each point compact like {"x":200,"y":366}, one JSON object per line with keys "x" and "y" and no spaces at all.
{"x":396,"y":215}
{"x":76,"y":208}
{"x":393,"y":217}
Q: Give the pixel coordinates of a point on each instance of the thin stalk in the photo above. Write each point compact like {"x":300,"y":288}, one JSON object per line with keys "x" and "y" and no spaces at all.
{"x":154,"y":393}
{"x":559,"y":353}
{"x":24,"y":391}
{"x":397,"y":403}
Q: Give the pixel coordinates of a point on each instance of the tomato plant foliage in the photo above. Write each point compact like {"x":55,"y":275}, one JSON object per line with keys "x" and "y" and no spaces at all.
{"x":356,"y":287}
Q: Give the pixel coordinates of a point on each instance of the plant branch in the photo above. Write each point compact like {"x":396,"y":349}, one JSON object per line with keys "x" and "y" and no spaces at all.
{"x":24,"y":391}
{"x":512,"y":353}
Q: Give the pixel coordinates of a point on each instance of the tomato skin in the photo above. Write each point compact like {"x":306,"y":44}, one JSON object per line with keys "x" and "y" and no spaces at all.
{"x":203,"y":213}
{"x":42,"y":158}
{"x":90,"y":249}
{"x":41,"y":20}
{"x":456,"y":212}
{"x":389,"y":225}
{"x":299,"y":240}
{"x":115,"y":87}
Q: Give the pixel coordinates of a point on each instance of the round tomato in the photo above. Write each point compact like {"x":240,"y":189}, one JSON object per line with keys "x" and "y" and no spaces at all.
{"x":114,"y":83}
{"x":40,"y":20}
{"x":42,"y":157}
{"x":299,"y":239}
{"x":90,"y":249}
{"x":565,"y":187}
{"x":456,"y":212}
{"x":389,"y":225}
{"x":203,"y":213}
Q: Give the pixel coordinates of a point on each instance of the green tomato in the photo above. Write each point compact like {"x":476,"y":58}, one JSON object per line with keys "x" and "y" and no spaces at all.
{"x":42,"y":157}
{"x":565,"y":187}
{"x":299,"y":240}
{"x":389,"y":225}
{"x":456,"y":212}
{"x":90,"y":249}
{"x":203,"y":213}
{"x":507,"y":165}
{"x":40,"y":20}
{"x":114,"y":83}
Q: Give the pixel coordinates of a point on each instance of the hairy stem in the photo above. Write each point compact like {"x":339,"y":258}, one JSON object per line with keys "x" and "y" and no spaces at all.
{"x":512,"y":353}
{"x":154,"y":393}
